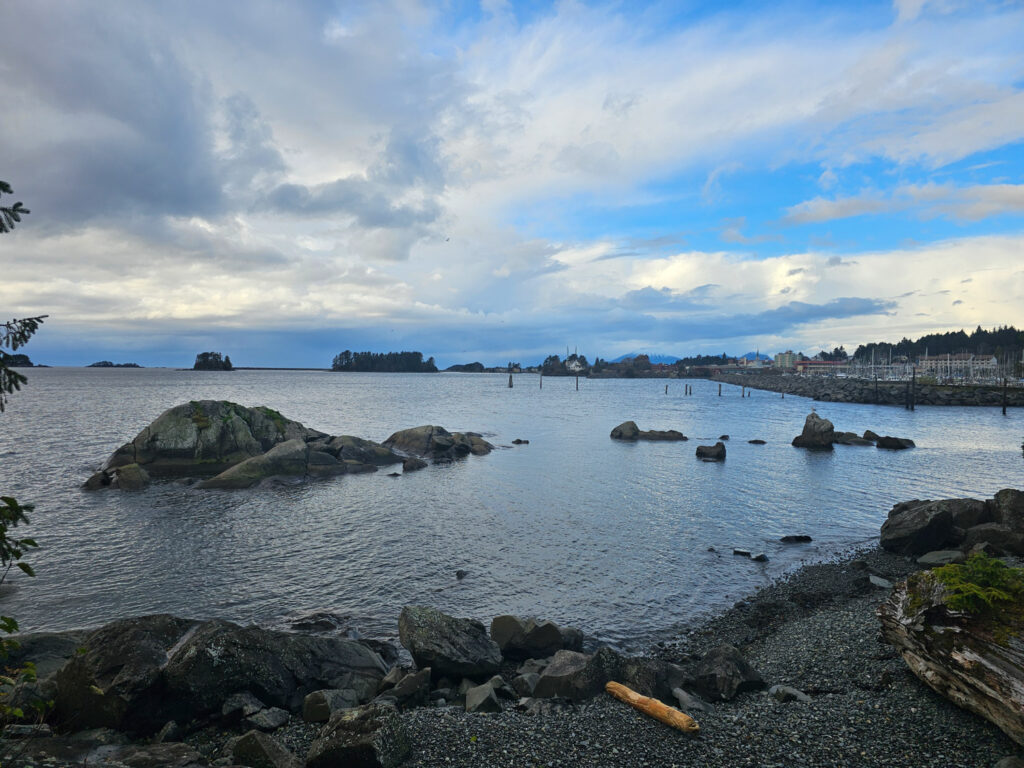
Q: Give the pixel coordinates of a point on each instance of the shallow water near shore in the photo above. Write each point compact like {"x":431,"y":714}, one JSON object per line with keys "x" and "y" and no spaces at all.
{"x":611,"y":537}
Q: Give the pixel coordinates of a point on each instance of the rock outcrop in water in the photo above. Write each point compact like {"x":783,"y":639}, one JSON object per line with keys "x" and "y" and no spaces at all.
{"x":714,"y":452}
{"x":234,"y":446}
{"x":819,"y":434}
{"x":629,"y":431}
{"x":437,"y":443}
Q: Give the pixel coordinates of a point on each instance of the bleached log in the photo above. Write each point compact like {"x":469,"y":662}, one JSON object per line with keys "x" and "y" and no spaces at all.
{"x":976,"y":663}
{"x":654,"y":708}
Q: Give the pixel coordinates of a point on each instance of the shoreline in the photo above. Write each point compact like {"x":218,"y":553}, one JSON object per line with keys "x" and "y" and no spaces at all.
{"x":814,"y":629}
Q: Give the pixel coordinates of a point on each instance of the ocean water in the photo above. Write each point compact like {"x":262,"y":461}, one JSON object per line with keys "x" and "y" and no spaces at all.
{"x":611,"y":537}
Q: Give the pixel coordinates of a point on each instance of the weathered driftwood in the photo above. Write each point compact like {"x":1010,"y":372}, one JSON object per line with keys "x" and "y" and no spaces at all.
{"x":654,"y":708}
{"x":976,"y":663}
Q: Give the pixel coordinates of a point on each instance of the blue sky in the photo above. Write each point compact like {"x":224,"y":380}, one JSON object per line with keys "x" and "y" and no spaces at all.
{"x":493,"y":181}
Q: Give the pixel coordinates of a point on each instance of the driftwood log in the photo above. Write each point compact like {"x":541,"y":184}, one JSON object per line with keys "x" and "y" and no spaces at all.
{"x":654,"y":708}
{"x":977,"y":663}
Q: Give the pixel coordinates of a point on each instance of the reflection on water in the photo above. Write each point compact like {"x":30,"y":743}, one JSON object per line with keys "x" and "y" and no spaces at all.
{"x":576,"y":527}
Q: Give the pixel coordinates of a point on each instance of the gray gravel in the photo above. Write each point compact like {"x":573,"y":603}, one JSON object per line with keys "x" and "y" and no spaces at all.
{"x":815,"y":631}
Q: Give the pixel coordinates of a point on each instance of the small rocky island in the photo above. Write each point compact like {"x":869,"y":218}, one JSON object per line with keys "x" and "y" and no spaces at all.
{"x":108,"y":364}
{"x":225,"y":445}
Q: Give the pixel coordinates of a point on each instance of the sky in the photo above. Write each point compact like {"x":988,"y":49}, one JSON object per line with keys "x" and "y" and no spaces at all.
{"x":497,"y":181}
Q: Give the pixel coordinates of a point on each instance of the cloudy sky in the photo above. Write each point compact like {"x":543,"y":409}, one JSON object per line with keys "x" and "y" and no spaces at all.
{"x":492,"y":181}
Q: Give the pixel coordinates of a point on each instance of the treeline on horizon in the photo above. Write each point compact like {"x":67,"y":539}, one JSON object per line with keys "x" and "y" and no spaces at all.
{"x":383,"y":362}
{"x":1002,"y":342}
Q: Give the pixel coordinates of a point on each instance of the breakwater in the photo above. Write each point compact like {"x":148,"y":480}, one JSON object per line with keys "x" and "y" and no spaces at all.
{"x":831,"y":389}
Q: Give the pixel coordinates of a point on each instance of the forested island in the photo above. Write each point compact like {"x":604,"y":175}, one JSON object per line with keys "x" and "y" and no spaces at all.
{"x":17,"y":361}
{"x":212,"y":361}
{"x":383,"y":362}
{"x":108,"y":364}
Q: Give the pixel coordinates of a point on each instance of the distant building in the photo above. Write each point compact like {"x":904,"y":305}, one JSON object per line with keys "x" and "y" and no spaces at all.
{"x":963,"y":365}
{"x":822,"y":367}
{"x":786,"y":360}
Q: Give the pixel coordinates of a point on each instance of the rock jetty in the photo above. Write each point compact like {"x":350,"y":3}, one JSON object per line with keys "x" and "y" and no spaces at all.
{"x":232,"y":446}
{"x":836,"y":390}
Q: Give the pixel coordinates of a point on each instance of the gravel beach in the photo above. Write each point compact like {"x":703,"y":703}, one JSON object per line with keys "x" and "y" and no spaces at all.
{"x":815,"y":631}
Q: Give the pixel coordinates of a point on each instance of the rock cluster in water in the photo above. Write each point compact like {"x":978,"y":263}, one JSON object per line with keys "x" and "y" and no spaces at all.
{"x":233,"y":446}
{"x":819,"y":434}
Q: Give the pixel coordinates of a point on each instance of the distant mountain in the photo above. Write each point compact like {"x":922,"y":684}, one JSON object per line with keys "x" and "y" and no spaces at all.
{"x":663,"y":359}
{"x":753,"y":355}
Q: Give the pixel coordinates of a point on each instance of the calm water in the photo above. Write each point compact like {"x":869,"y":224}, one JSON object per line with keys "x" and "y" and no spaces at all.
{"x":575,"y":527}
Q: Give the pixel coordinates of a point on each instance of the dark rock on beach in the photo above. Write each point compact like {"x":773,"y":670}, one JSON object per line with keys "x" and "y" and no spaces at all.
{"x":918,"y":527}
{"x":136,"y":674}
{"x":531,"y":639}
{"x":449,"y":646}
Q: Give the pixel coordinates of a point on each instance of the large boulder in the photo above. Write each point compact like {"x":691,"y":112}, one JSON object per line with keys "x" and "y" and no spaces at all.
{"x":627,"y":430}
{"x":136,"y":674}
{"x":714,"y":452}
{"x":974,"y":660}
{"x":1008,"y":509}
{"x":578,"y":676}
{"x":818,"y":434}
{"x":722,"y":673}
{"x":280,"y":668}
{"x":206,"y":437}
{"x":529,"y":638}
{"x":371,"y":736}
{"x":434,"y":442}
{"x":49,"y":652}
{"x":451,"y":647}
{"x":916,"y":527}
{"x":116,"y":682}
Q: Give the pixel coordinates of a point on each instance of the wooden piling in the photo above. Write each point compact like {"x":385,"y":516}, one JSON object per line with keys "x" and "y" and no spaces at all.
{"x":913,"y":387}
{"x":577,"y":382}
{"x":1004,"y":396}
{"x":542,"y":381}
{"x":510,"y":381}
{"x":719,"y":389}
